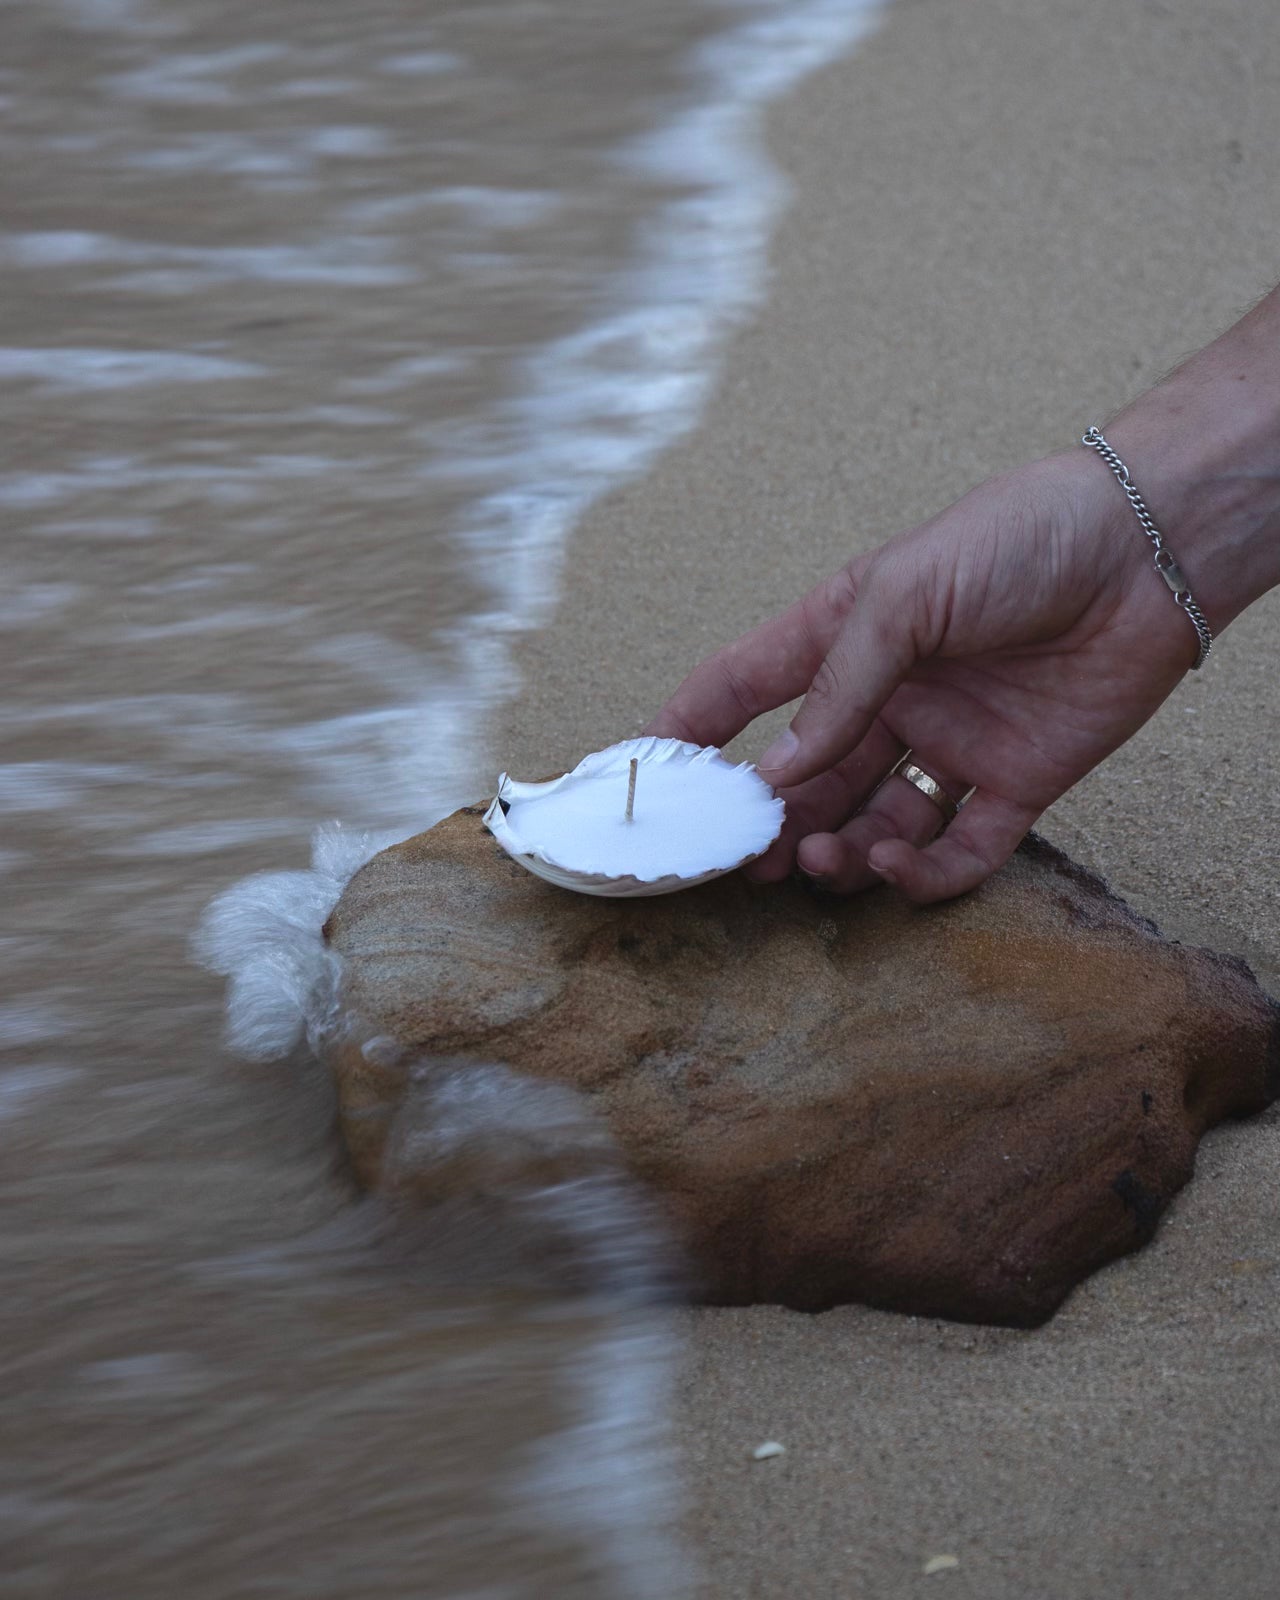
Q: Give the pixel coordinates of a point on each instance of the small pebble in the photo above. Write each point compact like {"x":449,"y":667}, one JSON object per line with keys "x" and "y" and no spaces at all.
{"x":770,"y":1448}
{"x":940,"y":1564}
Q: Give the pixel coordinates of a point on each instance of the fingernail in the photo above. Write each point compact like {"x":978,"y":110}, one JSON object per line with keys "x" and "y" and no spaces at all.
{"x":779,"y":753}
{"x":886,"y":872}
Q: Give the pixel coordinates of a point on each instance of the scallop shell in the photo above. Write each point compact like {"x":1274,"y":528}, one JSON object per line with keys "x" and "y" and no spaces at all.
{"x":613,"y":762}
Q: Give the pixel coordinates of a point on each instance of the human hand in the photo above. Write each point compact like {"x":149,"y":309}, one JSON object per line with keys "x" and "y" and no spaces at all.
{"x":1011,"y":643}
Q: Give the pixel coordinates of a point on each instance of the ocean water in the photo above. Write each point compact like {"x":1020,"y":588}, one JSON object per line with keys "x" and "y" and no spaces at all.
{"x":320,"y":327}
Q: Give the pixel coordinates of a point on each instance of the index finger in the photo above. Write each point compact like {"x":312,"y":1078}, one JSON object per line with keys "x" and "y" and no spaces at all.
{"x":765,"y":668}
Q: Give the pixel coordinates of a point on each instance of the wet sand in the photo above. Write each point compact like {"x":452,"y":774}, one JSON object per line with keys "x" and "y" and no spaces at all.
{"x":1008,"y":219}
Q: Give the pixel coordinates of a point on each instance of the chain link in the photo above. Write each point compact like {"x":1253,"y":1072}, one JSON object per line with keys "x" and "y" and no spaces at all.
{"x":1165,"y":564}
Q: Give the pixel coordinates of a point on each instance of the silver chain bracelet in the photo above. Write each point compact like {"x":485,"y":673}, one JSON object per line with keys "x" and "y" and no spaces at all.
{"x":1166,"y":566}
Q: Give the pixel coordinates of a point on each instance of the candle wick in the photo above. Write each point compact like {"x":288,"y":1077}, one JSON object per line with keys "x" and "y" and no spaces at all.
{"x":631,"y":790}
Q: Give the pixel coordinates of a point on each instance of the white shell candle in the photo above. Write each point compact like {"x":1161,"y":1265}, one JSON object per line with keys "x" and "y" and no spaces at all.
{"x":647,"y":816}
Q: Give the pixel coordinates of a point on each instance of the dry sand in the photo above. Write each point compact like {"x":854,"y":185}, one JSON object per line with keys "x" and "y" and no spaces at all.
{"x":1009,"y":216}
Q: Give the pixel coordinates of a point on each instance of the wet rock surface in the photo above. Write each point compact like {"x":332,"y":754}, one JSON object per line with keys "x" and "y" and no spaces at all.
{"x":958,"y":1111}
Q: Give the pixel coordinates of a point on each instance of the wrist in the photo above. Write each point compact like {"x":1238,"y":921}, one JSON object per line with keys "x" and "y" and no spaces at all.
{"x":1204,"y":450}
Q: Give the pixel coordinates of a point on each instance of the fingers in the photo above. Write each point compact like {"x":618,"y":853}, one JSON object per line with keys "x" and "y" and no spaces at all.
{"x":981,"y":839}
{"x":765,"y":668}
{"x":848,"y":657}
{"x":869,"y":657}
{"x":827,"y":800}
{"x":897,"y":811}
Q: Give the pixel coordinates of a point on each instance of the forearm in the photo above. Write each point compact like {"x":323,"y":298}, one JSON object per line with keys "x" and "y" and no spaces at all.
{"x":1204,"y":449}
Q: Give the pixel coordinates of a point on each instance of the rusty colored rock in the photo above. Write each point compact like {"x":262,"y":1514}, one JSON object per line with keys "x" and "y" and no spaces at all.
{"x":958,"y":1111}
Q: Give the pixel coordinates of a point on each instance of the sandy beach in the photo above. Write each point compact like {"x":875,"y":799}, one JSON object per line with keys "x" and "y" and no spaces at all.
{"x":1007,"y":219}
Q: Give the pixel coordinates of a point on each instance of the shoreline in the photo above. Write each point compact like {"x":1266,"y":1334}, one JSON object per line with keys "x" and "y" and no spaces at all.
{"x":296,"y":312}
{"x":596,"y":404}
{"x":1003,"y":224}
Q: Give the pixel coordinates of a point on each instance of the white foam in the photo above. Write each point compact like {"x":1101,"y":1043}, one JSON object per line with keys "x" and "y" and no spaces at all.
{"x":170,"y":268}
{"x":20,"y":1086}
{"x":69,"y":367}
{"x":421,"y":63}
{"x":614,"y":1473}
{"x":210,"y":575}
{"x":33,"y":1020}
{"x":32,"y":603}
{"x":191,"y":78}
{"x":338,"y":416}
{"x":404,"y":372}
{"x":264,"y":935}
{"x":62,"y":247}
{"x":492,"y":207}
{"x":157,"y":1374}
{"x":291,"y":153}
{"x":317,"y":88}
{"x":598,"y":405}
{"x":235,"y":483}
{"x":496,"y":1151}
{"x":203,"y":838}
{"x":159,"y":713}
{"x":233,"y":619}
{"x":239,"y":155}
{"x":136,"y":17}
{"x":138,"y":527}
{"x":56,"y":785}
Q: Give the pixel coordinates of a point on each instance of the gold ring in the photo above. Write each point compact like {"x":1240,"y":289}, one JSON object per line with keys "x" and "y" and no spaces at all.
{"x":906,"y":768}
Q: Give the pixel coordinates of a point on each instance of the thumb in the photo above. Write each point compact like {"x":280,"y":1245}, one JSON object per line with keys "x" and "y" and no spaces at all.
{"x":872,"y":653}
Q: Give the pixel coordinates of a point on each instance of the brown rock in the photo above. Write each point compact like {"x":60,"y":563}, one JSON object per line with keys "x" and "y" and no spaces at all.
{"x":959,"y":1111}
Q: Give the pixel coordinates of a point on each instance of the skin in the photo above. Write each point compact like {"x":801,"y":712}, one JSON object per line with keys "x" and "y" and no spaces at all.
{"x":1012,"y":642}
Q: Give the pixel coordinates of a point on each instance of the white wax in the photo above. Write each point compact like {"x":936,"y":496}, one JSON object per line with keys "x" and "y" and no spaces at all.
{"x":696,"y":816}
